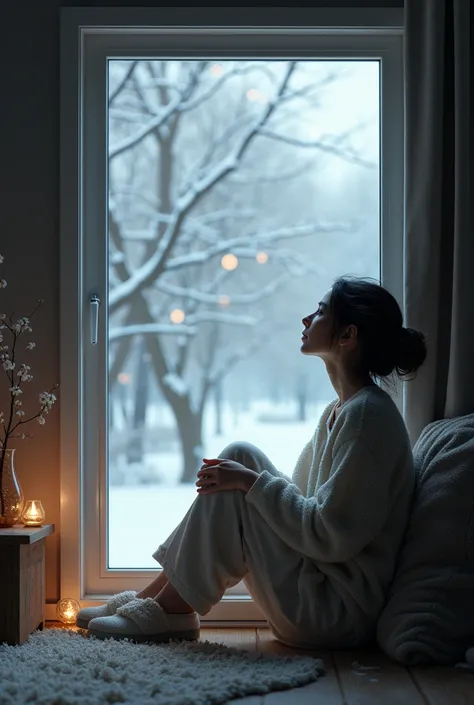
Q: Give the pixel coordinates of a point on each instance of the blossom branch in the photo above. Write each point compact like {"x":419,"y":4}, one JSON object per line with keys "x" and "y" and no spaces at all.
{"x":17,"y":376}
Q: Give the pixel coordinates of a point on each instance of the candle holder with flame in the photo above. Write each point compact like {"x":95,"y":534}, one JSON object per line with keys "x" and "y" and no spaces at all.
{"x":67,"y":610}
{"x":33,"y":513}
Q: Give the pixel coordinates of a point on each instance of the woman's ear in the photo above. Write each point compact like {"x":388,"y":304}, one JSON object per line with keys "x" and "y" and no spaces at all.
{"x":349,"y":335}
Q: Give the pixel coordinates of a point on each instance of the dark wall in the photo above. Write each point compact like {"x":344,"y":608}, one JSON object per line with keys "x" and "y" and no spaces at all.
{"x":29,"y":214}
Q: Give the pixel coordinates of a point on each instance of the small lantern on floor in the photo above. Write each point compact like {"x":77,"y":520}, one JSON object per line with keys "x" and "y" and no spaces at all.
{"x":33,"y":513}
{"x":67,"y":610}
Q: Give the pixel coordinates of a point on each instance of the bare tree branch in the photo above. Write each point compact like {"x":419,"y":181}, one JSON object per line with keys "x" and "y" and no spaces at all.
{"x":221,"y":317}
{"x":321,"y":146}
{"x":205,"y":298}
{"x":192,"y":104}
{"x":119,"y":87}
{"x":158,"y":120}
{"x":126,"y":114}
{"x":159,"y":82}
{"x":214,"y":142}
{"x":242,"y":178}
{"x":151,"y":329}
{"x":195,"y":225}
{"x":147,"y":198}
{"x":262,"y":239}
{"x":132,"y":140}
{"x":181,"y":328}
{"x":307,"y":90}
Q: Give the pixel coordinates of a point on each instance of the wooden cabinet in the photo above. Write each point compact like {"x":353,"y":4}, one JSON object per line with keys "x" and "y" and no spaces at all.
{"x":22,"y":598}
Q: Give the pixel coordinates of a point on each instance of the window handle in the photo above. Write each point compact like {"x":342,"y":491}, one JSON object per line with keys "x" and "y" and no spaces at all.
{"x":94,"y":303}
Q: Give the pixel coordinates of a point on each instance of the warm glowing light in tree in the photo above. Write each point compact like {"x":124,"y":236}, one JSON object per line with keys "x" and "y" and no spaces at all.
{"x":224,"y":299}
{"x":177,"y":316}
{"x":261,"y":257}
{"x":229,"y":262}
{"x":216,"y":70}
{"x":123,"y":378}
{"x":256,"y":96}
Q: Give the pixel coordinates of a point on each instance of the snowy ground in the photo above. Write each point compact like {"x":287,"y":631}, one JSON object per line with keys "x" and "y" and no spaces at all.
{"x":158,"y":508}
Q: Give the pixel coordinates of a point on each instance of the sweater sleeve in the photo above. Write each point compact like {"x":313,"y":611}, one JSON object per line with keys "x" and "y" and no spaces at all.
{"x":344,"y":515}
{"x":302,"y":467}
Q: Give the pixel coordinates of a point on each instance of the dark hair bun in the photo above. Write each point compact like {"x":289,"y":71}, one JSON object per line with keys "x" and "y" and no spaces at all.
{"x":411,"y":352}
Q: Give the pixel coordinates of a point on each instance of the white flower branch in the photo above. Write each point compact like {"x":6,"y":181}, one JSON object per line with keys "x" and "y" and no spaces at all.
{"x":18,"y":375}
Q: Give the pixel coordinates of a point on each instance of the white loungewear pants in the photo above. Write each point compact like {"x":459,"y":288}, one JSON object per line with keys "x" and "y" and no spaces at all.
{"x":222,"y":540}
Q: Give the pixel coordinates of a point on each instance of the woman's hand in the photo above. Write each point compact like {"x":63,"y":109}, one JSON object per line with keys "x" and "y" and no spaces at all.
{"x":217,"y":474}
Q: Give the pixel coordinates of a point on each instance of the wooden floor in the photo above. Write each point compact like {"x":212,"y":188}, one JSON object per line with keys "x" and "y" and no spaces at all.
{"x":359,"y":677}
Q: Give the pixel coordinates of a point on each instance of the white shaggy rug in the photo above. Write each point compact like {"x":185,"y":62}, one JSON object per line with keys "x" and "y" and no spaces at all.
{"x":63,"y":667}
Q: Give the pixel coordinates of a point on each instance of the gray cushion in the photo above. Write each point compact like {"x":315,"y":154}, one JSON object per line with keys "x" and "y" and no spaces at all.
{"x":429,"y":615}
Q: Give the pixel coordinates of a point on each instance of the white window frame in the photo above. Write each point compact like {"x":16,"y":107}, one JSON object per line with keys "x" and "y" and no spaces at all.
{"x":88,"y":37}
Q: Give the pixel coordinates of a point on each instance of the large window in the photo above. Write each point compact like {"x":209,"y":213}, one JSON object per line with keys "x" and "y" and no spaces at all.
{"x":217,"y":182}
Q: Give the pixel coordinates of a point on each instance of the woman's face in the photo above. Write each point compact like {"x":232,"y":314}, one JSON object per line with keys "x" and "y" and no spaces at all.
{"x":316,"y":336}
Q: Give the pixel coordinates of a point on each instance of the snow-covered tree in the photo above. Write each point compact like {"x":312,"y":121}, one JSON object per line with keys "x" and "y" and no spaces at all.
{"x":202,"y":239}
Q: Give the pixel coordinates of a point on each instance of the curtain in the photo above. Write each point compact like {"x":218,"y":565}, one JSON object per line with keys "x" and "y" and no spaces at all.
{"x":439,"y":239}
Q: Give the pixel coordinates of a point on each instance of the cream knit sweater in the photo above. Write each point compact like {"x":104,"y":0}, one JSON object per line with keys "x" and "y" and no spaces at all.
{"x":347,"y":504}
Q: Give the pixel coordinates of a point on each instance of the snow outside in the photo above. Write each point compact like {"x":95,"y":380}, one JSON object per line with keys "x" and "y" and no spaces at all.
{"x":238,"y":191}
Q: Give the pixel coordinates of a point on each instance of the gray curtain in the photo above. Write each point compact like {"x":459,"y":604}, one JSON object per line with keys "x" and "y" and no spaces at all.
{"x":439,"y":245}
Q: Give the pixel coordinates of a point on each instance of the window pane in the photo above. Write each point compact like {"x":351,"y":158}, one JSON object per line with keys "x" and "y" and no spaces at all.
{"x":238,"y":191}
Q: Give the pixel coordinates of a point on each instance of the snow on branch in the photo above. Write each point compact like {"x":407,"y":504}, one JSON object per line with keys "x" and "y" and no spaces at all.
{"x":205,"y":298}
{"x":126,"y":115}
{"x":202,"y":226}
{"x":151,"y":270}
{"x":139,"y":194}
{"x":343,"y":153}
{"x":177,"y":105}
{"x":218,"y":317}
{"x":151,"y":329}
{"x":294,"y":262}
{"x":262,"y":239}
{"x":160,"y":82}
{"x":189,"y":329}
{"x":155,"y":123}
{"x":196,"y":102}
{"x":246,"y":179}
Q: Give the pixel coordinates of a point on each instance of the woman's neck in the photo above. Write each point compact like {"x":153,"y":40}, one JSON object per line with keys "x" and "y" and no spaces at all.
{"x":345,"y":386}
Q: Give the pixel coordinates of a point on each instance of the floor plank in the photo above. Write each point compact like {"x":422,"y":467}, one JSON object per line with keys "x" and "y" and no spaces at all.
{"x":368,"y":677}
{"x":444,"y":686}
{"x":238,"y":638}
{"x":325,"y":690}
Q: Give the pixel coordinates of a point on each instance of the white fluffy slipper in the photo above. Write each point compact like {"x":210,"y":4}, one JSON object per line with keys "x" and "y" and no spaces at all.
{"x":145,"y":620}
{"x":85,"y":615}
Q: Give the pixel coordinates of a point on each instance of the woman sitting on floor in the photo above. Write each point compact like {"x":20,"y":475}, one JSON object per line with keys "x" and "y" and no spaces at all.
{"x":317,"y":551}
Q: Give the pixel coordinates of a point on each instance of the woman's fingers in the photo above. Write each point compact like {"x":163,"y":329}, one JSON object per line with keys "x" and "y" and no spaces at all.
{"x":206,"y":472}
{"x":205,"y":478}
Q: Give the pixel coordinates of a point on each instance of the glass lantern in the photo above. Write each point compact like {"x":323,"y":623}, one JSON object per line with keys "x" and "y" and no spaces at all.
{"x":67,"y":610}
{"x":33,"y":513}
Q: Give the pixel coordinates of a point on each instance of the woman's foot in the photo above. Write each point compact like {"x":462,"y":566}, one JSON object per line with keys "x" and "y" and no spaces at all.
{"x":154,"y":587}
{"x":86,"y":614}
{"x":172,"y":602}
{"x":146,"y":620}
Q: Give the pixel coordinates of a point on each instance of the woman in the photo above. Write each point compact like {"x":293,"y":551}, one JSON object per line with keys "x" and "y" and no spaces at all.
{"x":316,"y":552}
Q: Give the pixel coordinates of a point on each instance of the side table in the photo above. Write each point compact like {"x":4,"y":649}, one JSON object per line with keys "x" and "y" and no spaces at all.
{"x":22,"y":552}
